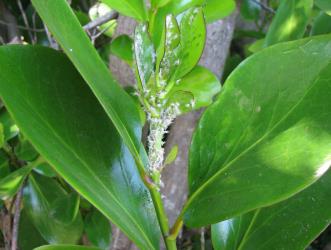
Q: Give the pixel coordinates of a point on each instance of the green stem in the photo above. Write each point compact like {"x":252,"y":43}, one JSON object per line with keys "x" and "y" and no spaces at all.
{"x":160,"y":213}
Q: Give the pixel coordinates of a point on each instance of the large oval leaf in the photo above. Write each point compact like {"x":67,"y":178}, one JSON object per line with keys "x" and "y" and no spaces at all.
{"x":289,"y":22}
{"x":58,"y":113}
{"x":65,"y":27}
{"x":268,"y":135}
{"x":289,"y":225}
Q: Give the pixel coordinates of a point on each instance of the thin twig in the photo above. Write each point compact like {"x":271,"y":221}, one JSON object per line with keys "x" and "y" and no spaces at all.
{"x":101,"y":20}
{"x":202,"y":239}
{"x":34,"y":26}
{"x":21,"y":27}
{"x":25,"y":19}
{"x":94,"y":37}
{"x":16,"y":220}
{"x":51,"y":41}
{"x":265,"y":7}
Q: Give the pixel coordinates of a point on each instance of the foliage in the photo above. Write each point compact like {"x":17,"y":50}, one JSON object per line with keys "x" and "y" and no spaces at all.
{"x":72,"y":153}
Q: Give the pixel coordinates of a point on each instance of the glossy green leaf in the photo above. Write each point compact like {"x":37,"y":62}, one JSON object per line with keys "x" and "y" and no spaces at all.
{"x":66,"y":247}
{"x":10,"y":184}
{"x":39,"y":195}
{"x":250,"y":9}
{"x":202,"y":84}
{"x":192,"y":40}
{"x":144,"y":53}
{"x":290,"y":225}
{"x":25,"y":151}
{"x":28,"y":236}
{"x":121,"y":47}
{"x":10,"y":128}
{"x":324,"y":5}
{"x":98,"y":230}
{"x":4,"y":165}
{"x":215,"y":9}
{"x":289,"y":22}
{"x":65,"y":27}
{"x":228,"y":234}
{"x":61,"y":117}
{"x":177,"y":6}
{"x":43,"y":168}
{"x":321,"y":25}
{"x":267,"y":136}
{"x":132,"y":8}
{"x":65,"y":209}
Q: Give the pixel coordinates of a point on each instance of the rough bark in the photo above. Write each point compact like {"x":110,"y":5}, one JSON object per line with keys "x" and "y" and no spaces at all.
{"x":219,"y":36}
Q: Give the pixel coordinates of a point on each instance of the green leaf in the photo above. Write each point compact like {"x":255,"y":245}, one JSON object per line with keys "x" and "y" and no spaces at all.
{"x":192,"y":40}
{"x":177,"y":6}
{"x":25,"y":151}
{"x":66,"y":247}
{"x":250,"y":10}
{"x":324,"y":5}
{"x":61,"y":117}
{"x":202,"y":85}
{"x":159,"y":3}
{"x":215,"y":9}
{"x":269,"y":228}
{"x":121,"y":47}
{"x":10,"y":184}
{"x":65,"y":27}
{"x":40,"y":194}
{"x":98,"y":230}
{"x":172,"y":155}
{"x":262,"y":140}
{"x":289,"y":22}
{"x":28,"y":236}
{"x":132,"y":8}
{"x":144,"y":53}
{"x":321,"y":25}
{"x":4,"y":165}
{"x":2,"y":136}
{"x":227,"y":235}
{"x":65,"y":209}
{"x":10,"y":128}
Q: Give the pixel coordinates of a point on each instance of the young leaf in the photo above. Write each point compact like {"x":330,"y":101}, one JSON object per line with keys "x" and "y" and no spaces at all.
{"x":201,"y":84}
{"x":66,"y":247}
{"x":262,"y":140}
{"x":98,"y":230}
{"x":132,"y":8}
{"x":172,"y":155}
{"x":144,"y":53}
{"x":66,"y":29}
{"x":39,"y":197}
{"x":121,"y":47}
{"x":60,"y":116}
{"x":289,"y":225}
{"x":192,"y":40}
{"x":289,"y":22}
{"x":10,"y":184}
{"x":215,"y":9}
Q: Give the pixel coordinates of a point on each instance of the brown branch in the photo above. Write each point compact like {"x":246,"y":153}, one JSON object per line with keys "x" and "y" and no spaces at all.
{"x":25,"y":19}
{"x":16,"y":220}
{"x":101,"y":20}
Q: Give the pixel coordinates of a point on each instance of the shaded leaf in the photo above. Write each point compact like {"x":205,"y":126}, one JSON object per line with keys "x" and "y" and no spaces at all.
{"x":321,"y":25}
{"x":66,"y":247}
{"x":98,"y":230}
{"x":290,"y":225}
{"x":39,"y":195}
{"x":10,"y":184}
{"x":289,"y":22}
{"x":121,"y":47}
